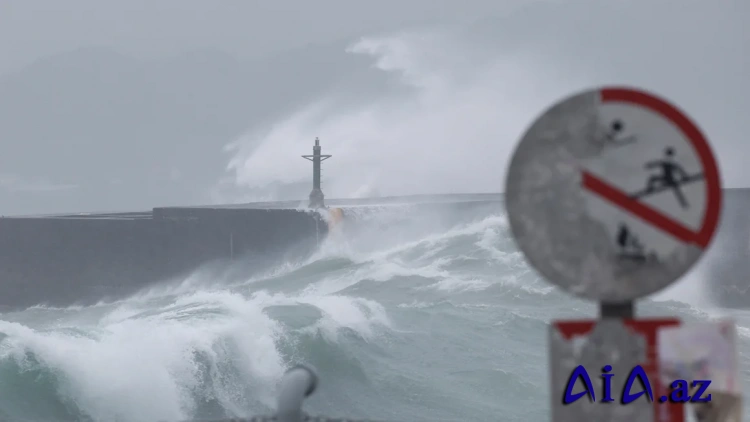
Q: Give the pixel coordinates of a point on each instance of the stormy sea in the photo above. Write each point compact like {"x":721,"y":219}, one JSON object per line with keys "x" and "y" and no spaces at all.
{"x":407,"y":316}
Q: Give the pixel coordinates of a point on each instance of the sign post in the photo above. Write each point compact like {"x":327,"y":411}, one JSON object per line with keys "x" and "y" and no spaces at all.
{"x":612,"y":194}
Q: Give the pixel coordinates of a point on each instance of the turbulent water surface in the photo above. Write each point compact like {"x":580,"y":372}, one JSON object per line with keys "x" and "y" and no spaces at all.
{"x":407,"y":317}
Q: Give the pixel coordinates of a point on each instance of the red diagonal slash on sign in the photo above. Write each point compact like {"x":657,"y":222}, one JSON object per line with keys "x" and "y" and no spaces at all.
{"x":645,"y":212}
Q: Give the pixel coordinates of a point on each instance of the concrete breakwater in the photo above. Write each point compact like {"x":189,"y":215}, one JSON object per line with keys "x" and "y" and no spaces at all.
{"x":65,"y":259}
{"x":61,"y":260}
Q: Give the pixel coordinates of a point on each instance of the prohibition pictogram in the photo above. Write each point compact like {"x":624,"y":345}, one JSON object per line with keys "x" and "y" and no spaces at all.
{"x":613,"y":194}
{"x":670,"y":174}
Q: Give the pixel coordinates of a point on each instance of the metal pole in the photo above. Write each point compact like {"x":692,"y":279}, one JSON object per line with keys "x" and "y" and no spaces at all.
{"x":625,"y":310}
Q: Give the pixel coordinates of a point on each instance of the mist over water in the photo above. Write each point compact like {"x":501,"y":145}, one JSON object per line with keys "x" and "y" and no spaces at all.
{"x":449,"y":128}
{"x":460,"y":96}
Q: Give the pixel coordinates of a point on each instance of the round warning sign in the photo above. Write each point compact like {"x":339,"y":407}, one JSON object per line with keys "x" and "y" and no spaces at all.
{"x":613,"y":194}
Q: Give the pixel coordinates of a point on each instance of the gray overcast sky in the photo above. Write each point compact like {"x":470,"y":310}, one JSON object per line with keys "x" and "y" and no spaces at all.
{"x":31,"y":29}
{"x":449,"y":84}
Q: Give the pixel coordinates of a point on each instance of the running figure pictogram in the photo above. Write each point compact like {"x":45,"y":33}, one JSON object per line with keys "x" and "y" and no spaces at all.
{"x":671,"y":176}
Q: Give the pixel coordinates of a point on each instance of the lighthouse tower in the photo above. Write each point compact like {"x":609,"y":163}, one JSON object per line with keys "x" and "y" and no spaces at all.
{"x":316,"y":196}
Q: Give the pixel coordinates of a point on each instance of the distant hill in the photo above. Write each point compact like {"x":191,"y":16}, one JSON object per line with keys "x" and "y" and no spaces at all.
{"x":95,"y":130}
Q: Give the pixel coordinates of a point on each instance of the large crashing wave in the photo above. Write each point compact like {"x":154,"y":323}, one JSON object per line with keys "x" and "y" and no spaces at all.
{"x":209,"y":350}
{"x":407,"y":316}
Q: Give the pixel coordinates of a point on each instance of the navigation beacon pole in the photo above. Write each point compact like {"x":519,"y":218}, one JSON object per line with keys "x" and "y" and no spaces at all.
{"x":316,"y":196}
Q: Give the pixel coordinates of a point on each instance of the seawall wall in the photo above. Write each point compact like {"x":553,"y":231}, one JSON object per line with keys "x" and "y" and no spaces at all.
{"x":63,"y":260}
